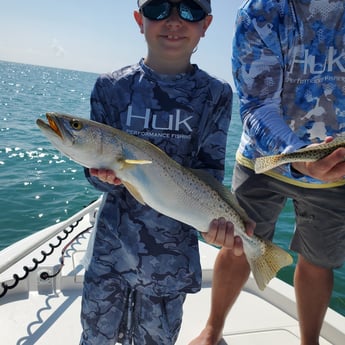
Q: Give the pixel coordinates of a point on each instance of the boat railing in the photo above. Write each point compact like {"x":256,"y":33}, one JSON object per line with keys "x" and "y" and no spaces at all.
{"x":13,"y":254}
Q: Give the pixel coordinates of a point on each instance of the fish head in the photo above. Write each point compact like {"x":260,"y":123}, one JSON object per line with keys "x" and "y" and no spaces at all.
{"x":89,"y":143}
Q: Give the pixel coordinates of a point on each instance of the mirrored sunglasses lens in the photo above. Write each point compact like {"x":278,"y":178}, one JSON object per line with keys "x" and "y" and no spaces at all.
{"x":156,"y":11}
{"x":191,"y":12}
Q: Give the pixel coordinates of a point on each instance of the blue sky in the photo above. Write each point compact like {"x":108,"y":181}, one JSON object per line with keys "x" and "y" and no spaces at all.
{"x":99,"y":36}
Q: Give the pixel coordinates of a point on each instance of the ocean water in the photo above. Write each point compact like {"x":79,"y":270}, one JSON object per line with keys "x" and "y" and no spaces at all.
{"x":40,"y":187}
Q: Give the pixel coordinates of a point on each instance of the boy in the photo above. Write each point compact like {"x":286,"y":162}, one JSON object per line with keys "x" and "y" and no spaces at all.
{"x":144,"y":263}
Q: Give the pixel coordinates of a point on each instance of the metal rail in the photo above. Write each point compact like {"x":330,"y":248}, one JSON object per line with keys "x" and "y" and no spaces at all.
{"x":12,"y":254}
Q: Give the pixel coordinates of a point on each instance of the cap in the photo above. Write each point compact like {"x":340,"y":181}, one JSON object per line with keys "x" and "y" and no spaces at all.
{"x":204,"y":4}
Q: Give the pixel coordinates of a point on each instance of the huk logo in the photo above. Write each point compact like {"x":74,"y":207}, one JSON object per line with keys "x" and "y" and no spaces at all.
{"x":175,"y":122}
{"x":333,"y":61}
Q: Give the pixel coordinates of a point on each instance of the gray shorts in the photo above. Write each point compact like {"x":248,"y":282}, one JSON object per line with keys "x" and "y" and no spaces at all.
{"x":113,"y":312}
{"x":319,"y":234}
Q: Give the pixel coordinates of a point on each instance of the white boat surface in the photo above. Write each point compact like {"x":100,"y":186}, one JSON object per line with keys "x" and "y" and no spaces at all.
{"x":40,"y":310}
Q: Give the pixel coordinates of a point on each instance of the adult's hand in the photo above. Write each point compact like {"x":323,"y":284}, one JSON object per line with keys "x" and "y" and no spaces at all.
{"x":329,"y":169}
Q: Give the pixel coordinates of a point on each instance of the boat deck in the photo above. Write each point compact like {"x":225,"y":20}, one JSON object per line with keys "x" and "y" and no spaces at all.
{"x":46,"y":311}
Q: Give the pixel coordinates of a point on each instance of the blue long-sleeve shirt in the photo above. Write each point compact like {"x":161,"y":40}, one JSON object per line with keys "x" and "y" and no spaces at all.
{"x":289,"y":70}
{"x":188,"y":117}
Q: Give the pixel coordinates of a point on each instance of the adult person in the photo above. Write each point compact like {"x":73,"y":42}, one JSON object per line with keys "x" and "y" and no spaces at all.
{"x":289,"y":70}
{"x":143,"y":263}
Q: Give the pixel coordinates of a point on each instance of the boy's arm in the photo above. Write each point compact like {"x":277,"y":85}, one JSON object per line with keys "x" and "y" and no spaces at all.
{"x":213,"y":135}
{"x":103,"y":180}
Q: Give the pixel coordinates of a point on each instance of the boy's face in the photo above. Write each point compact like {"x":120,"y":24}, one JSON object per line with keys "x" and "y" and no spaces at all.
{"x":172,"y":37}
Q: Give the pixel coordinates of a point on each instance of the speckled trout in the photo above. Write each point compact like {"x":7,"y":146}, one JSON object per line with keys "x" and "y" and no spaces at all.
{"x":307,"y":154}
{"x":191,"y":196}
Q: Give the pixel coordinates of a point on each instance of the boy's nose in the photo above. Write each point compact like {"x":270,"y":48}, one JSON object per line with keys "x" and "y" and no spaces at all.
{"x":174,"y":17}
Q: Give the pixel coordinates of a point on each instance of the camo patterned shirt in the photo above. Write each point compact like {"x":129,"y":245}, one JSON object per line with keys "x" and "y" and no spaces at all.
{"x":188,"y":117}
{"x":289,"y":69}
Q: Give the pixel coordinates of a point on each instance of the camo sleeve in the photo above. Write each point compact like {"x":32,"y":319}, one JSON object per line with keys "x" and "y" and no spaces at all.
{"x":98,"y":113}
{"x":258,"y":64}
{"x":214,"y":132}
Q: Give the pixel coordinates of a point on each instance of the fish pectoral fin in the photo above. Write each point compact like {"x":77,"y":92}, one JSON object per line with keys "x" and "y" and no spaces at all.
{"x":266,"y":267}
{"x":134,"y":192}
{"x":137,"y":161}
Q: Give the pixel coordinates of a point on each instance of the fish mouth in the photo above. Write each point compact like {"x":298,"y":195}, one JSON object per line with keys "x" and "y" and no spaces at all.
{"x":52,"y":124}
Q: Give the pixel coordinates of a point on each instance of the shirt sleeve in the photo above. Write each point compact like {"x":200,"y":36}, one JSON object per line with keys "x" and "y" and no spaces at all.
{"x":98,"y":113}
{"x":258,"y":74}
{"x":214,"y":132}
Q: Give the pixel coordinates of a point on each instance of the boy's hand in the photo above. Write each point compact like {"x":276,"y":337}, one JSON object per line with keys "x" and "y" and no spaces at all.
{"x":221,"y":233}
{"x":106,"y":175}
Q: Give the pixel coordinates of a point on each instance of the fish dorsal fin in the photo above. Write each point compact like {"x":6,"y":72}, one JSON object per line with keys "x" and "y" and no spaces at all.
{"x":224,"y":192}
{"x":134,"y":192}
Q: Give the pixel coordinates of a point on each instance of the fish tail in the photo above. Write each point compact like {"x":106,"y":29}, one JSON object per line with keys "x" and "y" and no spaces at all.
{"x":263,"y":164}
{"x":266,"y":266}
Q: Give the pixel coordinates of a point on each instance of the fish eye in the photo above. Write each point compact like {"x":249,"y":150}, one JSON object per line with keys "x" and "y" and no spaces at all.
{"x":77,"y":125}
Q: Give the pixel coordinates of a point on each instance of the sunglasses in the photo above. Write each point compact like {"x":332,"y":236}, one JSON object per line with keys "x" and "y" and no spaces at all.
{"x":187,"y":10}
